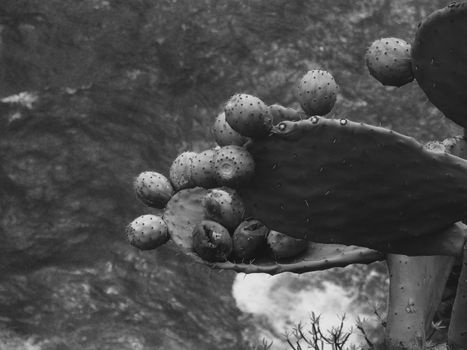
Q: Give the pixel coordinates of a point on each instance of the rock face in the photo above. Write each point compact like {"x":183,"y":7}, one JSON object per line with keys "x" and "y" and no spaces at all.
{"x":69,"y":279}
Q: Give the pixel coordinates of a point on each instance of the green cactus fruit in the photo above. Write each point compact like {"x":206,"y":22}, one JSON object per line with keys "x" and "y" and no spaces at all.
{"x":337,"y":181}
{"x":203,"y":172}
{"x":233,"y":165}
{"x":280,"y":113}
{"x":317,"y":92}
{"x":224,"y":134}
{"x":283,"y":246}
{"x":438,"y":60}
{"x":147,"y":232}
{"x":389,"y":61}
{"x":248,"y":239}
{"x":181,"y":171}
{"x":212,"y":241}
{"x":153,"y":189}
{"x":224,"y":206}
{"x":248,"y":115}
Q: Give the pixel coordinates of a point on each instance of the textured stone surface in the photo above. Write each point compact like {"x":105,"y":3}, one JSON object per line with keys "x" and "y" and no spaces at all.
{"x":69,"y":278}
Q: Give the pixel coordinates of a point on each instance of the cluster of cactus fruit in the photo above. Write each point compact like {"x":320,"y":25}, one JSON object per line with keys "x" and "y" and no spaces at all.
{"x":292,"y":190}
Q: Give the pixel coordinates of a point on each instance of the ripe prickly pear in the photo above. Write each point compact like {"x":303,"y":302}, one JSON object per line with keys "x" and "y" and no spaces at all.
{"x":181,"y":171}
{"x":283,"y":246}
{"x":233,"y":165}
{"x":317,"y":92}
{"x":248,"y":115}
{"x":224,"y":134}
{"x":203,"y":172}
{"x":389,"y":61}
{"x":248,"y":238}
{"x":224,"y":206}
{"x":212,"y":241}
{"x":147,"y":232}
{"x":153,"y":189}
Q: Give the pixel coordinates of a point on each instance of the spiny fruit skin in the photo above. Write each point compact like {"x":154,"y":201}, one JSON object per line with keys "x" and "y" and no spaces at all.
{"x":203,"y":172}
{"x":147,"y":232}
{"x":317,"y":92}
{"x":248,"y":239}
{"x":389,"y":61}
{"x":224,"y":206}
{"x":153,"y":189}
{"x":212,"y":241}
{"x":234,"y":165}
{"x":224,"y":134}
{"x":248,"y":115}
{"x":181,"y":171}
{"x":283,"y":246}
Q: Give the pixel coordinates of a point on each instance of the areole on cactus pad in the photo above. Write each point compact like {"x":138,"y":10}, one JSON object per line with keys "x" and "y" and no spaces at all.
{"x":439,"y":60}
{"x":336,"y":181}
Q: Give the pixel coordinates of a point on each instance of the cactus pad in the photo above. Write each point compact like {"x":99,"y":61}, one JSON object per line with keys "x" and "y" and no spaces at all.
{"x":336,"y":181}
{"x":184,"y":211}
{"x":439,"y":60}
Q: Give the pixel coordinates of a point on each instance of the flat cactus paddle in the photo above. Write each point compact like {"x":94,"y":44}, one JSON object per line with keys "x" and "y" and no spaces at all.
{"x":184,"y":211}
{"x":336,"y":181}
{"x":439,"y":59}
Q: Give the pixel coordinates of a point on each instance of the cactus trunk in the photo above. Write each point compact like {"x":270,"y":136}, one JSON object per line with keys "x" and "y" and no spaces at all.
{"x":457,"y":334}
{"x":416,"y":288}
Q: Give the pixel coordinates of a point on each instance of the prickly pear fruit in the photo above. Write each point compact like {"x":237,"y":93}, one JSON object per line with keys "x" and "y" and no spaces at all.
{"x":438,"y":60}
{"x":224,"y":206}
{"x":248,"y":238}
{"x":317,"y":92}
{"x":248,"y":115}
{"x":389,"y":61}
{"x":224,"y":134}
{"x":153,"y":189}
{"x":147,"y":232}
{"x":234,"y":165}
{"x":212,"y":241}
{"x":283,"y":246}
{"x":203,"y":172}
{"x":181,"y":171}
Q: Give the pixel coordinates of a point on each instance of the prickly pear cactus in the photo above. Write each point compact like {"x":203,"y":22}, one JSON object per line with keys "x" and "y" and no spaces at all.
{"x":438,"y":60}
{"x":184,"y":211}
{"x":336,"y":181}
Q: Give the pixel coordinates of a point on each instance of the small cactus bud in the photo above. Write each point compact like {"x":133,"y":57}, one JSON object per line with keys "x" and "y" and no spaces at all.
{"x":224,"y":206}
{"x":389,"y":61}
{"x":147,"y":232}
{"x":248,"y":115}
{"x":233,"y":165}
{"x":248,"y":239}
{"x":212,"y":241}
{"x":317,"y":92}
{"x":153,"y":189}
{"x":203,"y":172}
{"x":283,"y":246}
{"x":224,"y":134}
{"x":181,"y":170}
